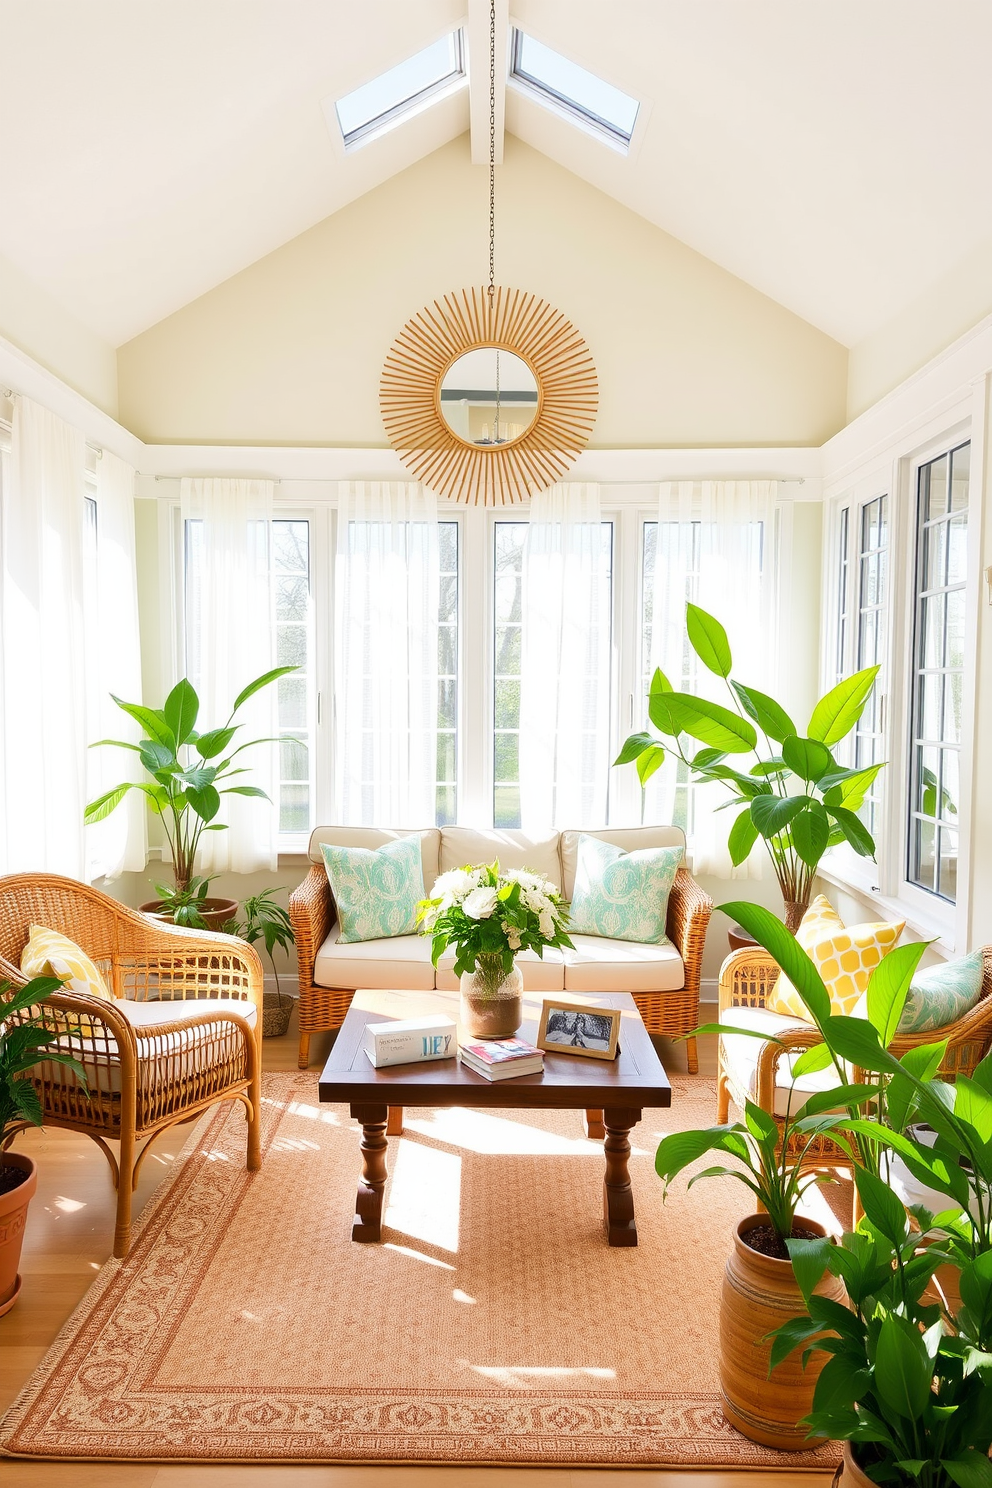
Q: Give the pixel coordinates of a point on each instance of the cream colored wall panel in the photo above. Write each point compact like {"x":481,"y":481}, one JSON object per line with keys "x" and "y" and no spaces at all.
{"x":290,"y":350}
{"x":35,"y":323}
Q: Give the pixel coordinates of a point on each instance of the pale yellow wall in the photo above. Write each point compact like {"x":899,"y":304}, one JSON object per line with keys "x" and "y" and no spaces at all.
{"x":36,"y":324}
{"x":942,"y":313}
{"x":290,"y":350}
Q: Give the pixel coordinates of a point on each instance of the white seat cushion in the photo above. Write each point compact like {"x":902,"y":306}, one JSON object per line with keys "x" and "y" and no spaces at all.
{"x":740,"y":1056}
{"x":172,"y":1057}
{"x":600,"y":965}
{"x":540,"y":974}
{"x":399,"y":961}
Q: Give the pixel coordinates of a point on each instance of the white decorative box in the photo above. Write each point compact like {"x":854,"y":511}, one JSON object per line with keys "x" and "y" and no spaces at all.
{"x":411,"y":1041}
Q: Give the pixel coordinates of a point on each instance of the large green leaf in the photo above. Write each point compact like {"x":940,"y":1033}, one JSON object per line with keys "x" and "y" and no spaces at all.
{"x":973,"y":1105}
{"x":807,"y":758}
{"x":839,"y":710}
{"x":246,"y":790}
{"x":681,"y":1149}
{"x":972,"y":1469}
{"x":259,"y":683}
{"x":849,"y":787}
{"x":857,"y":1041}
{"x":882,"y":1207}
{"x":769,"y":932}
{"x":810,"y":831}
{"x":199,"y":776}
{"x":713,"y":724}
{"x":854,"y":830}
{"x":743,"y":836}
{"x":649,"y":761}
{"x":903,"y":1372}
{"x":633,"y":746}
{"x":181,"y":707}
{"x":154,"y":723}
{"x":660,"y":710}
{"x":766,"y":712}
{"x":105,"y":804}
{"x":708,"y":639}
{"x":157,"y":758}
{"x":214,"y":742}
{"x":888,"y":987}
{"x":206,"y":802}
{"x":771,"y":813}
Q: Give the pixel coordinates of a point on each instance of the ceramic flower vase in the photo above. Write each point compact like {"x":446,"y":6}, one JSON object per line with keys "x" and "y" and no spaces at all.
{"x":491,"y":1005}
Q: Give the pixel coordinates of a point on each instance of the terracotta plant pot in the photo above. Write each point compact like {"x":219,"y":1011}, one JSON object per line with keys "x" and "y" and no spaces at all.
{"x":759,"y":1294}
{"x":13,"y":1216}
{"x":215,"y":912}
{"x":849,"y":1474}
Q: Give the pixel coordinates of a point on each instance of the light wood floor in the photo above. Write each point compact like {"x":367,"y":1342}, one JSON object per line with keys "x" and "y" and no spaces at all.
{"x":69,"y":1234}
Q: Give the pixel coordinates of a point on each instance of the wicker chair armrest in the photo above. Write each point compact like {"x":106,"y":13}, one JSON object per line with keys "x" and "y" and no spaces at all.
{"x":311,"y":913}
{"x":746,"y":978}
{"x":192,"y":965}
{"x":689,"y":910}
{"x":770,"y":1056}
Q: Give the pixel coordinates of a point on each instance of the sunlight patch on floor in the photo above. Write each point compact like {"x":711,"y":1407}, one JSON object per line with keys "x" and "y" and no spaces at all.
{"x":425,"y":1196}
{"x":478,"y":1131}
{"x":417,"y":1255}
{"x":459,"y":1296}
{"x":516,"y":1376}
{"x":68,"y":1206}
{"x":310,"y":1113}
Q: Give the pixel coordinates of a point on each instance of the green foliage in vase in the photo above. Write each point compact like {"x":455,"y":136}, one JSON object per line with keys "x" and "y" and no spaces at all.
{"x":189,"y":771}
{"x":795,"y":796}
{"x":489,"y":916}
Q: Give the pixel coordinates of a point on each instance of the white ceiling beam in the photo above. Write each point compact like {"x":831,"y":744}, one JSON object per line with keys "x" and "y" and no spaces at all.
{"x":478,"y":75}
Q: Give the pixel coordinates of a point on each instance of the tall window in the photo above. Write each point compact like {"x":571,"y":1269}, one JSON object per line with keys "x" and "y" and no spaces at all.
{"x":508,"y":558}
{"x":938,"y":666}
{"x":288,"y":545}
{"x":447,"y":677}
{"x":674,"y":546}
{"x":872,"y":601}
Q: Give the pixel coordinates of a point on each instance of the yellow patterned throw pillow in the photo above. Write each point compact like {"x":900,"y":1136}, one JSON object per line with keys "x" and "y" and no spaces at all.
{"x":48,"y":953}
{"x":845,"y":957}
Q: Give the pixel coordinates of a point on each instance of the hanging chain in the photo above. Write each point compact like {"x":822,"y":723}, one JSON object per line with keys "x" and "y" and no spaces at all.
{"x":492,"y":152}
{"x":492,"y":192}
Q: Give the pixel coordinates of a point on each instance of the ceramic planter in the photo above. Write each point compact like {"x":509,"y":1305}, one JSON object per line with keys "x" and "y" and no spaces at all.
{"x":759,"y":1294}
{"x":215,"y":912}
{"x":13,"y":1216}
{"x":849,"y":1474}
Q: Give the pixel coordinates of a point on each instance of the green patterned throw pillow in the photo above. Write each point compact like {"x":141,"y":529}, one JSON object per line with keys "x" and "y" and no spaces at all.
{"x":622,"y":895}
{"x":376,"y":891}
{"x":942,"y":994}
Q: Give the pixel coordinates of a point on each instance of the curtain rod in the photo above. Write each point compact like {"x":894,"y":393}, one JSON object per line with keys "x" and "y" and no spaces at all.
{"x":309,"y":480}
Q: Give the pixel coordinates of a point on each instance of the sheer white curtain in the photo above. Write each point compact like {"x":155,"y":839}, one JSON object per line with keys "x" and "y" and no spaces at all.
{"x":42,"y":656}
{"x":386,"y":654}
{"x":119,"y":843}
{"x":565,"y":661}
{"x":229,"y":642}
{"x":714,"y":545}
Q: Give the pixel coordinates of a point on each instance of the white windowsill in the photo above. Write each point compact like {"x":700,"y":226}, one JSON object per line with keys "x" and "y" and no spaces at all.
{"x":929,"y":928}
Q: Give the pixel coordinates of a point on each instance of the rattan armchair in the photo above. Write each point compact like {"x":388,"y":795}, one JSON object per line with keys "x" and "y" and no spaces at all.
{"x":747,"y":977}
{"x":145,"y":1073}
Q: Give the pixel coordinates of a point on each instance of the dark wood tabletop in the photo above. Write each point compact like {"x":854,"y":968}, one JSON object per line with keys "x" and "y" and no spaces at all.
{"x":635,"y":1078}
{"x":611,"y":1092}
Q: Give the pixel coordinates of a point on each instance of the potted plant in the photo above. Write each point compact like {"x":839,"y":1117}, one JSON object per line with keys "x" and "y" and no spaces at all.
{"x":907,"y":1382}
{"x":189,"y":773}
{"x":489,"y":917}
{"x":24,"y":1042}
{"x":759,"y":1287}
{"x":795,"y":796}
{"x":261,"y":918}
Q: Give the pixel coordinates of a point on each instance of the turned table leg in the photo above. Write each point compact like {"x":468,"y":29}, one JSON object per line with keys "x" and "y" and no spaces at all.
{"x":368,"y":1206}
{"x":618,"y":1200}
{"x":394,"y":1122}
{"x":595,"y":1130}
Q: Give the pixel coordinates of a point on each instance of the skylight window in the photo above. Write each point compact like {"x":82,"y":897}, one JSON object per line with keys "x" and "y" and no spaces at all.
{"x":570,"y":90}
{"x":402,"y":91}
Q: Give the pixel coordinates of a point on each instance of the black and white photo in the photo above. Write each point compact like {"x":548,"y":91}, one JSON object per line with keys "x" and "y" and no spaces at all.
{"x":570,"y":1029}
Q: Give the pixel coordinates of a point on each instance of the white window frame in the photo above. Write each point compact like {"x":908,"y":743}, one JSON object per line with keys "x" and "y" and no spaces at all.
{"x":885,"y":884}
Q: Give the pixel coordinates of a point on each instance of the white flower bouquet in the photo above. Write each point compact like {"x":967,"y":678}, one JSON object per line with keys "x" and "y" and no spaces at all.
{"x":489,"y":916}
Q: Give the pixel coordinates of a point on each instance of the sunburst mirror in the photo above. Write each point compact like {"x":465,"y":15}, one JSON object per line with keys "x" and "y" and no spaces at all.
{"x":489,"y":397}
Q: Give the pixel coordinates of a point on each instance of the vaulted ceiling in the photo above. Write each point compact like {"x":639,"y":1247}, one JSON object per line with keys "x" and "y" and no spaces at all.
{"x":833,"y":155}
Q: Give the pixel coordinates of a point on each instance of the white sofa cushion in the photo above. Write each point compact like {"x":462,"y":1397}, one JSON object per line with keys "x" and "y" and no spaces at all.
{"x":469,"y":846}
{"x":401,"y":961}
{"x":540,"y":974}
{"x":740,"y":1056}
{"x":373,"y":837}
{"x":600,"y":965}
{"x":630,"y":839}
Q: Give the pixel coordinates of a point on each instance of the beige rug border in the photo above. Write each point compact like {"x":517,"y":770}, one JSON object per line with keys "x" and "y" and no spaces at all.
{"x":108,"y":1273}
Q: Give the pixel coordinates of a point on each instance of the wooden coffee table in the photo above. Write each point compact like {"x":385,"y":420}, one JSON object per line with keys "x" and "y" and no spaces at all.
{"x":612,"y":1094}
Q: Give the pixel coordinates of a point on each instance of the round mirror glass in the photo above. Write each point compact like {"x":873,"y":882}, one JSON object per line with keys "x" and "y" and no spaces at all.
{"x":489,"y":396}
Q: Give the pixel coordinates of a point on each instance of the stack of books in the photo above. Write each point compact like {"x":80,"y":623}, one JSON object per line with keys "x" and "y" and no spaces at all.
{"x":501,"y":1059}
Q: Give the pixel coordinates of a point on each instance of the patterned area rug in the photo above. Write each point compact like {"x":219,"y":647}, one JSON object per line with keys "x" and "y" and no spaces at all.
{"x":494,"y":1325}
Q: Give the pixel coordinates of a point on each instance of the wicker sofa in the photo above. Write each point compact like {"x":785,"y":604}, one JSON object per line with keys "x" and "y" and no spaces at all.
{"x":663,"y":979}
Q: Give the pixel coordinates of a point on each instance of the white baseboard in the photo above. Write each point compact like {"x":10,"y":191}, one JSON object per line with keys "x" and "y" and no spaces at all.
{"x":287,"y":983}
